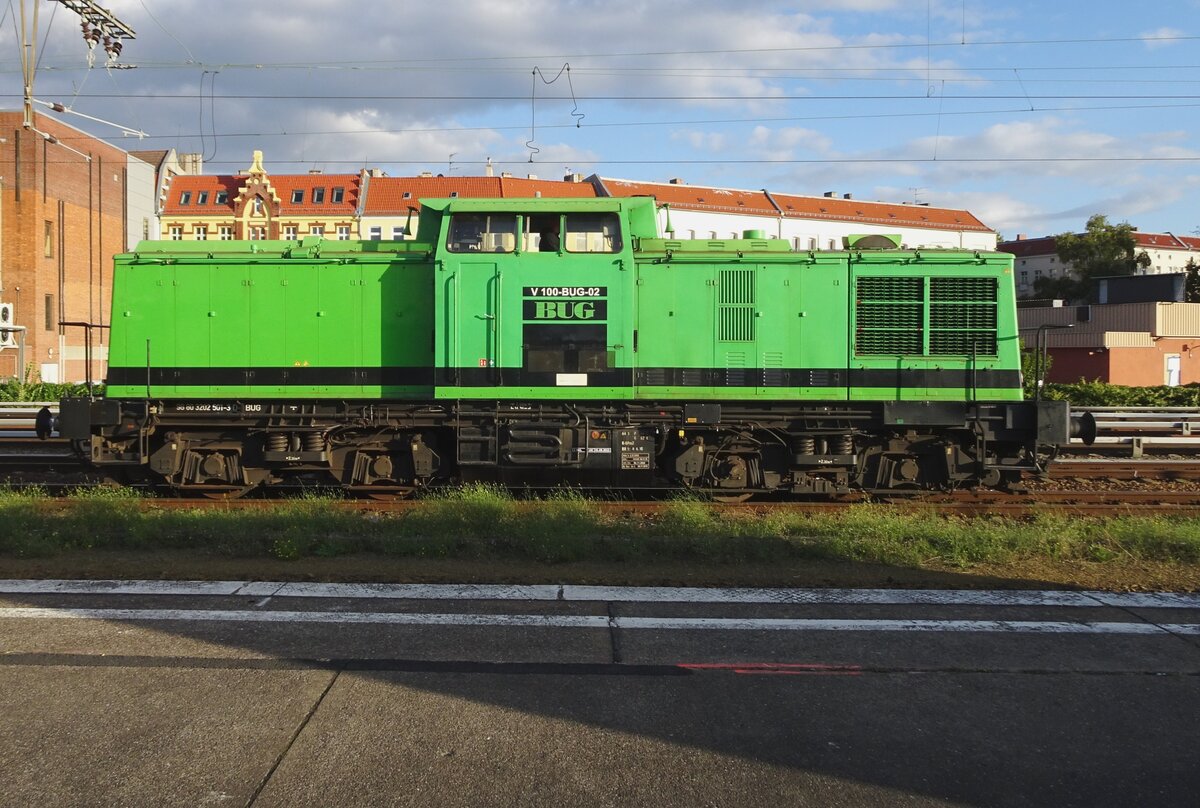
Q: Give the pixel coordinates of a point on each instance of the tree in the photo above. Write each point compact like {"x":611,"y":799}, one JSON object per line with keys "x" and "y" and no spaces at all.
{"x":1102,"y":250}
{"x":1191,"y":284}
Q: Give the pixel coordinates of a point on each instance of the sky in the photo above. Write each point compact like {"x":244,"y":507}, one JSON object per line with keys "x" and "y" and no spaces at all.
{"x":1031,"y":115}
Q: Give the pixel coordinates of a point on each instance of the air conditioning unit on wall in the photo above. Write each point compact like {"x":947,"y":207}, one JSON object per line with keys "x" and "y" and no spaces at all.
{"x":8,"y":339}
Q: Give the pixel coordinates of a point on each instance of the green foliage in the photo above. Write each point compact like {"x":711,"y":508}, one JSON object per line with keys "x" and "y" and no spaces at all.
{"x":1103,"y":250}
{"x":1102,"y":394}
{"x":1191,"y":288}
{"x":1029,"y":369}
{"x":486,"y":523}
{"x":30,"y":387}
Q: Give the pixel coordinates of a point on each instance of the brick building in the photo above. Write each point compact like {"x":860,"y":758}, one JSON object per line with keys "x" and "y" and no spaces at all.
{"x":1134,"y":344}
{"x":63,"y":215}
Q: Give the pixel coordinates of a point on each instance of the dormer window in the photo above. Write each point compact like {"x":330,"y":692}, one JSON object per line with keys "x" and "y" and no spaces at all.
{"x":202,"y":198}
{"x":408,"y":194}
{"x":222,"y":198}
{"x":318,"y":196}
{"x":337,"y":195}
{"x":454,"y":194}
{"x":298,"y":196}
{"x":185,"y":198}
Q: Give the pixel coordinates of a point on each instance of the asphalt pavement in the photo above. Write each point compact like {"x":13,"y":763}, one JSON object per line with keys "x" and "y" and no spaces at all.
{"x":234,"y":693}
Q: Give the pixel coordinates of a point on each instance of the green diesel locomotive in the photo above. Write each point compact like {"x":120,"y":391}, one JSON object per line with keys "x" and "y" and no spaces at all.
{"x":547,"y":342}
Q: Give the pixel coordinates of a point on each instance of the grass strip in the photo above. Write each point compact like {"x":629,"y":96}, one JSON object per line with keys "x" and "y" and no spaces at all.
{"x":482,"y":523}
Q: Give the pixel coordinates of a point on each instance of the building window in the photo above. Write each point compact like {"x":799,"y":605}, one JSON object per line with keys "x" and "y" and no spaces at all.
{"x":48,"y":239}
{"x":176,"y":232}
{"x":408,"y":194}
{"x":397,"y":234}
{"x":833,"y":244}
{"x":226,"y":232}
{"x":454,"y":194}
{"x":257,"y":233}
{"x":316,"y":230}
{"x":289,"y":232}
{"x":1024,"y":276}
{"x":298,"y":196}
{"x":318,"y":196}
{"x":258,"y":206}
{"x":185,"y":198}
{"x":222,"y":197}
{"x":812,"y":244}
{"x":51,"y":320}
{"x":201,"y":233}
{"x":337,"y":194}
{"x":343,"y":232}
{"x":376,"y":233}
{"x":202,"y":198}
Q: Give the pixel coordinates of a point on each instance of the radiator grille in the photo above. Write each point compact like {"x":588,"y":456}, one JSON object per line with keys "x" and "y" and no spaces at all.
{"x":962,"y":316}
{"x":735,"y":312}
{"x":890,"y":316}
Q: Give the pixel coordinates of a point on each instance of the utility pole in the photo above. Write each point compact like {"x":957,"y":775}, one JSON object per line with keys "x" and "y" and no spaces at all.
{"x":98,"y":25}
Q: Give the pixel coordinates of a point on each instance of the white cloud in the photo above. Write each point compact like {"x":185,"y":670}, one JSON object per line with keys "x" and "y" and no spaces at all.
{"x":1161,"y":37}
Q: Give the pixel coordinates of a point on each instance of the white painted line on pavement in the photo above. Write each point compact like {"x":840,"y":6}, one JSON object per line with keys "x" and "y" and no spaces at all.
{"x":598,"y":621}
{"x":880,"y":597}
{"x":51,"y":587}
{"x":622,"y":594}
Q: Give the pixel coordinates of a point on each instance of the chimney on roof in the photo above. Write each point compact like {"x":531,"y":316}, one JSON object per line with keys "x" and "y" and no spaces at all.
{"x":847,"y":196}
{"x":830,"y":194}
{"x":676,"y":181}
{"x":531,"y":176}
{"x":487,"y":169}
{"x":506,"y":175}
{"x":314,"y":171}
{"x":573,"y":178}
{"x":427,"y":175}
{"x":1022,"y":236}
{"x":378,"y":172}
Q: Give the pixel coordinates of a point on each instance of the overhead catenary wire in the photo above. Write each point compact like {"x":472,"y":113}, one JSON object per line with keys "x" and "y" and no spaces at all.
{"x":668,"y":123}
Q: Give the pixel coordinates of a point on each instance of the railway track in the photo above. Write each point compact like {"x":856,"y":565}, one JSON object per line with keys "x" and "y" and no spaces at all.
{"x":966,"y":503}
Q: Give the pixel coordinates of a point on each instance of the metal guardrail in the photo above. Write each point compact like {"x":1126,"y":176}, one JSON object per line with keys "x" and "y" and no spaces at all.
{"x":1139,"y":427}
{"x":19,"y":416}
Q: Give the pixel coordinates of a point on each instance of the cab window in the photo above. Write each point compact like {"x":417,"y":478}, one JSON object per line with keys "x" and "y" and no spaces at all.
{"x":592,"y":232}
{"x":482,"y":232}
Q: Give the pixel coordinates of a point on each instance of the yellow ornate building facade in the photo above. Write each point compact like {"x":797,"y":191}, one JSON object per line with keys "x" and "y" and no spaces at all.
{"x":253,"y":205}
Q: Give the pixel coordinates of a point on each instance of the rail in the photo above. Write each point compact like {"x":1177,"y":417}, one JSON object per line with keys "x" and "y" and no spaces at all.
{"x":1135,"y":427}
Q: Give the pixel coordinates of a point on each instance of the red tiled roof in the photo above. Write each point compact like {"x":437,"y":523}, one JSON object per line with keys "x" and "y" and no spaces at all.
{"x":1023,"y":248}
{"x":286,"y":184}
{"x":283,"y":184}
{"x":877,"y":213}
{"x":154,"y":158}
{"x":521,"y":188}
{"x":386,"y":195}
{"x":1047,"y":245}
{"x":694,"y":197}
{"x":195,"y":183}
